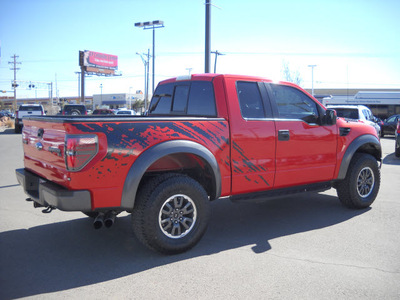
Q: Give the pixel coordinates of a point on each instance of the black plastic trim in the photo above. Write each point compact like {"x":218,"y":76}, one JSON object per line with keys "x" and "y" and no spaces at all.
{"x":366,"y":139}
{"x":279,"y":193}
{"x":148,"y":157}
{"x":47,"y":193}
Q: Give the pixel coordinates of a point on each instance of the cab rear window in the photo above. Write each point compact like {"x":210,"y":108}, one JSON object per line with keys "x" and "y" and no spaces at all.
{"x":30,"y":108}
{"x":193,"y":98}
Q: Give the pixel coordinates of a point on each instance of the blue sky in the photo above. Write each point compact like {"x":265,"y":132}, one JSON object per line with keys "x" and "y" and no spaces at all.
{"x":354,"y":43}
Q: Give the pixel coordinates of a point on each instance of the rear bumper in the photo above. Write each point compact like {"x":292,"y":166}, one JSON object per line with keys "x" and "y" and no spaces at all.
{"x":49,"y":194}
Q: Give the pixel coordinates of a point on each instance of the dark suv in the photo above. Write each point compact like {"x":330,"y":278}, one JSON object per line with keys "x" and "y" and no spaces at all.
{"x":74,"y":110}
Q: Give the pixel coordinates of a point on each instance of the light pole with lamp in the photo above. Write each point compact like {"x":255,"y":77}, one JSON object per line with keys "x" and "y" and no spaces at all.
{"x":312,"y":78}
{"x":152,"y":25}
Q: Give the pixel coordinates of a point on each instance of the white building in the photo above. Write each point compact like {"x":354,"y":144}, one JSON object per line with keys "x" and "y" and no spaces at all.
{"x":114,"y":101}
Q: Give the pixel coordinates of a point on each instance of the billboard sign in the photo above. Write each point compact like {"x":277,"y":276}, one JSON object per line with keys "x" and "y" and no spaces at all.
{"x":98,"y":60}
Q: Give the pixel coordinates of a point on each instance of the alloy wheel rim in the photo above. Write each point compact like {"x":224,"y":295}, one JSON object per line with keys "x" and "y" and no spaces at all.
{"x":177,"y":216}
{"x":365,"y":182}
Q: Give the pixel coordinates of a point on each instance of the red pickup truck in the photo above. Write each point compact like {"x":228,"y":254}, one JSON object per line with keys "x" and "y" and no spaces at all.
{"x":204,"y":137}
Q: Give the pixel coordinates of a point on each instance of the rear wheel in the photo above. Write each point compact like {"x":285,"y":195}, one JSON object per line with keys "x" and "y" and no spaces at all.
{"x":171,"y":213}
{"x":361,"y":185}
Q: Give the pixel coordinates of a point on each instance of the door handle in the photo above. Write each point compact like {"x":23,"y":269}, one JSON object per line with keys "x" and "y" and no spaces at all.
{"x":283,"y":135}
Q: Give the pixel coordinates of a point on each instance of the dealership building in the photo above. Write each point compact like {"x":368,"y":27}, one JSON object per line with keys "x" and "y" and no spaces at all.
{"x":115,"y":101}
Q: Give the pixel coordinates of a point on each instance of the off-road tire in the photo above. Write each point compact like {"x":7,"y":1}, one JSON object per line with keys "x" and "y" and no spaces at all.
{"x":361,"y":184}
{"x":75,"y":112}
{"x":171,"y":213}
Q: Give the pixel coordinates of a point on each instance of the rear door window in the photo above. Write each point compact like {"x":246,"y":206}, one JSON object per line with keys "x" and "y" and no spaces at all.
{"x":251,"y":104}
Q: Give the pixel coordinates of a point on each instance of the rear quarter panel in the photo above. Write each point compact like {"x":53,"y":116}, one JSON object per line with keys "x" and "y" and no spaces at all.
{"x":121,"y":143}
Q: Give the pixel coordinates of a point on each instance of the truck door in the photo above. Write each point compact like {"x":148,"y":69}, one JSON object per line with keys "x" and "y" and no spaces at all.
{"x":253,"y":137}
{"x":305,"y":149}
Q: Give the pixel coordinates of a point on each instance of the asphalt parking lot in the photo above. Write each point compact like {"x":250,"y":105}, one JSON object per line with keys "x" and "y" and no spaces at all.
{"x":300,"y":247}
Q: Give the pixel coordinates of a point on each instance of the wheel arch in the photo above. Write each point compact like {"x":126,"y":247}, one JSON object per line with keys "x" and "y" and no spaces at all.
{"x":362,"y":144}
{"x":165,"y":150}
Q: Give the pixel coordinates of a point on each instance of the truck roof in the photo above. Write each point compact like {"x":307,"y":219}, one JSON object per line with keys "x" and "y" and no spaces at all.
{"x":211,"y":76}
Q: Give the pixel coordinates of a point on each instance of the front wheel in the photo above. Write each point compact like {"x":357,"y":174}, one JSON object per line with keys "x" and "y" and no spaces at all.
{"x":171,"y":213}
{"x":361,"y":185}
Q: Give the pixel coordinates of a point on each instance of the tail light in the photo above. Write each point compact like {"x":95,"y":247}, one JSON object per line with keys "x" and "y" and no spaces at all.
{"x":79,"y":150}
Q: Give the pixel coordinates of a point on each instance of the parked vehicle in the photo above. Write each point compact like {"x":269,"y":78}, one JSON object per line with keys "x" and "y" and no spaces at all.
{"x":74,"y":110}
{"x":7,"y":113}
{"x":126,"y":112}
{"x":397,"y":143}
{"x":103,"y":111}
{"x":25,"y":110}
{"x":389,"y":125}
{"x":359,"y":113}
{"x":206,"y":137}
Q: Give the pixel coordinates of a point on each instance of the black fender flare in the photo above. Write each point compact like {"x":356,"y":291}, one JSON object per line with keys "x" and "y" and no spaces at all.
{"x":151,"y":155}
{"x":369,"y":143}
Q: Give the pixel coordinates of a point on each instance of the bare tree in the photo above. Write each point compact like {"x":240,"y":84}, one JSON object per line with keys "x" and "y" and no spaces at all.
{"x":291,"y":76}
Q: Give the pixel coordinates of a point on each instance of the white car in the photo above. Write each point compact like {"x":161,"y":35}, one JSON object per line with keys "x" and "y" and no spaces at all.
{"x":356,"y":112}
{"x":126,"y":112}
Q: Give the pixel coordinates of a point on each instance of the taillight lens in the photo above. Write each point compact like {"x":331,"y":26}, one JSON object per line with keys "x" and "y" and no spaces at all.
{"x":79,"y":150}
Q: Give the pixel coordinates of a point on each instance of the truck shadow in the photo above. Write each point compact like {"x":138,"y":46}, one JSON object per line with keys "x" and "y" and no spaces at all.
{"x":391,"y":159}
{"x":67,"y":255}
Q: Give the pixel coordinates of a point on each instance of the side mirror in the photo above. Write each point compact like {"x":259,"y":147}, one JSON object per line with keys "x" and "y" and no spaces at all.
{"x":330,"y":117}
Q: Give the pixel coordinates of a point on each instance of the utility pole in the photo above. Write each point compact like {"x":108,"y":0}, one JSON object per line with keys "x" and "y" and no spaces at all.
{"x":14,"y":84}
{"x":207,"y":50}
{"x":146,"y":76}
{"x":216,"y":55}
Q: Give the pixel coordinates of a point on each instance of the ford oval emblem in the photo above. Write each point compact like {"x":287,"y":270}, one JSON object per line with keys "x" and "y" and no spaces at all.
{"x":39,"y":146}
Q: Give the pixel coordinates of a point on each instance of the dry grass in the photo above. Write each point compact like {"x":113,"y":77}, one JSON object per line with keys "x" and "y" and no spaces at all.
{"x":10,"y":123}
{"x":5,"y":121}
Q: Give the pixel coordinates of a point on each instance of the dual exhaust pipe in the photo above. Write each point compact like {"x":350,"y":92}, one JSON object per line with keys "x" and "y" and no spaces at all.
{"x":107,"y":219}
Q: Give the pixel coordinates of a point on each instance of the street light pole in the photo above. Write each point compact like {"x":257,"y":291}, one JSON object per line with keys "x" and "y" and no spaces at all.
{"x":207,"y":49}
{"x":312,"y":78}
{"x":152,"y":25}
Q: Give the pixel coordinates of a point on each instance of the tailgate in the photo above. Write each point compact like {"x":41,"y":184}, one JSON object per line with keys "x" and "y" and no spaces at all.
{"x":43,"y":143}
